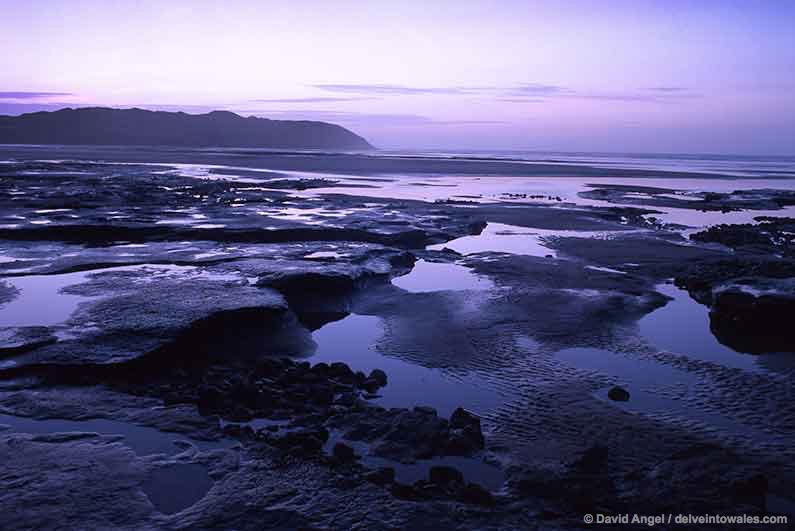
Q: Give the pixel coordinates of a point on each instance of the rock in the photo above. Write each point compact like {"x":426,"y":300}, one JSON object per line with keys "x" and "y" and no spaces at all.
{"x":378,"y":376}
{"x":370,"y":385}
{"x":209,"y":399}
{"x":462,"y":418}
{"x":410,"y":435}
{"x":753,"y":324}
{"x":301,"y":437}
{"x":321,"y":368}
{"x":753,"y":487}
{"x":425,"y":410}
{"x":346,"y":399}
{"x":310,"y":445}
{"x":593,"y":461}
{"x":465,"y":437}
{"x":340,"y":369}
{"x":343,"y":452}
{"x":444,"y":475}
{"x":618,"y":394}
{"x":405,"y":492}
{"x":464,"y":441}
{"x":382,"y":476}
{"x":476,"y":495}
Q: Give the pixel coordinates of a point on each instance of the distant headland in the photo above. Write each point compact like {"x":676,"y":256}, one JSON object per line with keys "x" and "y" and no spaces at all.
{"x":106,"y":126}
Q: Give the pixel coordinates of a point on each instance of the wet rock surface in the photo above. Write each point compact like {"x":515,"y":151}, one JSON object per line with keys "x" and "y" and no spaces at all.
{"x":750,"y":294}
{"x":185,"y":301}
{"x":762,"y":199}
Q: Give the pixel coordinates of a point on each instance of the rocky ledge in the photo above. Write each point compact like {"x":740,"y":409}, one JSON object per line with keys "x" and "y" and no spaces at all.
{"x":751,"y":295}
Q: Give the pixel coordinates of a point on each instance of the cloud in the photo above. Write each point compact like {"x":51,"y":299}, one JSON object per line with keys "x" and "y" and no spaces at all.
{"x":26,"y":95}
{"x":617,"y":96}
{"x":538,"y":93}
{"x":667,"y":89}
{"x":540,"y":89}
{"x":522,"y":100}
{"x":318,"y":99}
{"x":404,"y":90}
{"x":362,"y":118}
{"x":520,"y":93}
{"x":385,"y":89}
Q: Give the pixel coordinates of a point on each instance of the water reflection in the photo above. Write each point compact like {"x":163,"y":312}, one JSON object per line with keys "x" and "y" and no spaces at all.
{"x":176,"y":487}
{"x":353,"y":341}
{"x":436,"y":276}
{"x":142,"y":439}
{"x":682,"y":326}
{"x":501,"y":238}
{"x":40,"y":301}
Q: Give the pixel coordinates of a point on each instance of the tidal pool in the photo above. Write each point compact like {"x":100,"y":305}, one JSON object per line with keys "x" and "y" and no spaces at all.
{"x":501,"y":238}
{"x":143,"y":440}
{"x":439,"y":276}
{"x":353,"y":340}
{"x":176,"y":487}
{"x":682,"y":327}
{"x":41,"y":301}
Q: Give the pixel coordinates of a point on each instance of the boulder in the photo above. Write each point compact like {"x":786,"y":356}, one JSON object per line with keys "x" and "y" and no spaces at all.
{"x":619,"y":394}
{"x":475,"y":494}
{"x":382,"y":476}
{"x":445,"y":475}
{"x":343,"y":452}
{"x":378,"y":376}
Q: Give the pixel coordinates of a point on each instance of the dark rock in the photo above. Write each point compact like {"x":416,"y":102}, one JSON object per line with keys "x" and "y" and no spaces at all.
{"x":462,"y":418}
{"x":302,"y":437}
{"x":753,"y":324}
{"x":618,"y":394}
{"x":465,"y":437}
{"x":310,"y":445}
{"x":425,"y":410}
{"x":340,"y":369}
{"x":343,"y":452}
{"x":593,"y":461}
{"x":475,"y":494}
{"x":322,"y":394}
{"x":370,"y":385}
{"x":382,"y":476}
{"x":321,"y":368}
{"x":411,"y":435}
{"x":753,"y":487}
{"x":405,"y":492}
{"x":465,"y":441}
{"x":346,"y":399}
{"x":444,"y":475}
{"x":209,"y":399}
{"x":378,"y":376}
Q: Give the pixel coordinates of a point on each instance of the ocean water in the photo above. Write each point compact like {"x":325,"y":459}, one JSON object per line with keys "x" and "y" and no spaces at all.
{"x":739,"y":165}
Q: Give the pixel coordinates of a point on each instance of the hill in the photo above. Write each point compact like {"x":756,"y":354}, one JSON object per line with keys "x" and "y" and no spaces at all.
{"x":105,"y":126}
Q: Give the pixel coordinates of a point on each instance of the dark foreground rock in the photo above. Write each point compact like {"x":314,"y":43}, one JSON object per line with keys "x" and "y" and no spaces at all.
{"x":752,"y":294}
{"x":754,"y":324}
{"x":618,"y":394}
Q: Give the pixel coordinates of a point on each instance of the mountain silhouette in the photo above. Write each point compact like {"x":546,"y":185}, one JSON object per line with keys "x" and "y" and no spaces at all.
{"x":105,"y":126}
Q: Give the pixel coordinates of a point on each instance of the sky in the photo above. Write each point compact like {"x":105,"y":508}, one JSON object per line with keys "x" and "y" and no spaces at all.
{"x":668,"y":76}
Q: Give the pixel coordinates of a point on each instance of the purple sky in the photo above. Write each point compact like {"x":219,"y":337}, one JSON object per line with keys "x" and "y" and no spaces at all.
{"x":601,"y":75}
